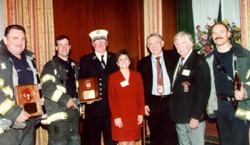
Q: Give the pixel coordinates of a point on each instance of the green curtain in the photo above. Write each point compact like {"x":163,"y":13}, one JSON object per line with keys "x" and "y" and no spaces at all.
{"x":184,"y":13}
{"x":219,"y":13}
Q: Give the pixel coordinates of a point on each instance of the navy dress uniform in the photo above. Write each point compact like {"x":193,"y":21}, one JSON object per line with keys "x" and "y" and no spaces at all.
{"x":97,"y":114}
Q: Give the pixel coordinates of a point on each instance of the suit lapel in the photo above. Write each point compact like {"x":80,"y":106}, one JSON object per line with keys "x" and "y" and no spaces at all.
{"x":96,"y":62}
{"x":108,"y":61}
{"x":150,"y":66}
{"x":168,"y":67}
{"x":170,"y":62}
{"x":189,"y":62}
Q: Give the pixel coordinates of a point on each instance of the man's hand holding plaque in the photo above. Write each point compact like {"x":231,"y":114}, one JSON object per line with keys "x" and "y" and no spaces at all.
{"x":71,"y":104}
{"x":28,"y":97}
{"x":23,"y":116}
{"x":88,"y":90}
{"x":239,"y":90}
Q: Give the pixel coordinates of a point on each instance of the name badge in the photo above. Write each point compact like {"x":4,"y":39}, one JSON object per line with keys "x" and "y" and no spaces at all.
{"x":124,"y":83}
{"x":185,"y":72}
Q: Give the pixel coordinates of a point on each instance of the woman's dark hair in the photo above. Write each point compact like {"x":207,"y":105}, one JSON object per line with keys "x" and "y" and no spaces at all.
{"x":122,"y":52}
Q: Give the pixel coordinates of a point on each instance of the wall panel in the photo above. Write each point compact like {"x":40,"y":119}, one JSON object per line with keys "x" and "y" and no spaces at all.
{"x":169,"y":22}
{"x":122,"y":18}
{"x":1,"y":18}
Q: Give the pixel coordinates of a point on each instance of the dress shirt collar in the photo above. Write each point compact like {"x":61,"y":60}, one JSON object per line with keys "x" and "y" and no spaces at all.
{"x":153,"y":57}
{"x":99,"y":55}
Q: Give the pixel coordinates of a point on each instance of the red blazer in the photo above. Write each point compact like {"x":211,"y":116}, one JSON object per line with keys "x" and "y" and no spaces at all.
{"x":126,"y":102}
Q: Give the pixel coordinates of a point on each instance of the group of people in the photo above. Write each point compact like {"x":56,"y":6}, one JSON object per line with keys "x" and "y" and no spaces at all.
{"x":174,"y":90}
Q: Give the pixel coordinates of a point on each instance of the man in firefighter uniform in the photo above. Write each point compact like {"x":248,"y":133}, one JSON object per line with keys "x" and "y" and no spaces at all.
{"x":17,"y":67}
{"x":58,"y":80}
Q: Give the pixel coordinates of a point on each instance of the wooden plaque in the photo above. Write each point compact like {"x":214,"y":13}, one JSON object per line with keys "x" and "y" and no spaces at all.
{"x":28,"y":97}
{"x":88,"y":89}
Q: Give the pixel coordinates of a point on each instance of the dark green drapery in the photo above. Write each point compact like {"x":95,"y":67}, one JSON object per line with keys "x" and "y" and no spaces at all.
{"x":184,"y":13}
{"x":219,"y":13}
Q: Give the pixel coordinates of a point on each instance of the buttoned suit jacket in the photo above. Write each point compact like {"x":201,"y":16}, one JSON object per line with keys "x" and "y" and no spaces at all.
{"x":90,"y":66}
{"x":144,"y":66}
{"x":190,"y":90}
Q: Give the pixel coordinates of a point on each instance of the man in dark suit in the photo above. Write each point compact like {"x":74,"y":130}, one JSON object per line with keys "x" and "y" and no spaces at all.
{"x":98,"y":64}
{"x":162,"y":130}
{"x":190,"y":92}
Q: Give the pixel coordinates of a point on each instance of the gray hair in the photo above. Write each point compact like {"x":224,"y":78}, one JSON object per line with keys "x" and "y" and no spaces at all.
{"x":183,"y":34}
{"x":154,"y":35}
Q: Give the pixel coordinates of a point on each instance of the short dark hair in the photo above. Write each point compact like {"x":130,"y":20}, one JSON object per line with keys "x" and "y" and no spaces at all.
{"x":122,"y":52}
{"x":15,"y":26}
{"x":61,"y":37}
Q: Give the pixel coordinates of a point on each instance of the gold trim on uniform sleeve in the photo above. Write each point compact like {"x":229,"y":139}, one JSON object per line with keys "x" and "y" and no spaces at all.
{"x":1,"y":83}
{"x":242,"y":114}
{"x":247,"y":77}
{"x":3,"y":66}
{"x":5,"y":106}
{"x":248,"y":74}
{"x":61,"y":88}
{"x":8,"y":91}
{"x":58,"y":93}
{"x":48,"y":77}
{"x":77,"y":84}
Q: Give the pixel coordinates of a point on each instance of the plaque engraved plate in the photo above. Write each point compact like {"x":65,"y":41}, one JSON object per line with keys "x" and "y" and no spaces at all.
{"x":88,"y":89}
{"x":28,"y":97}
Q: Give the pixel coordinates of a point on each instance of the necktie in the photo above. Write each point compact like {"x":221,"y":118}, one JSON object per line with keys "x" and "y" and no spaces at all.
{"x":102,"y":61}
{"x":160,"y":87}
{"x":180,"y":66}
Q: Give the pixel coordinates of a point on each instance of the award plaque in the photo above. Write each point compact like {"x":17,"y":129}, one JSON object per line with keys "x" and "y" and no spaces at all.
{"x":88,"y":89}
{"x":28,"y":97}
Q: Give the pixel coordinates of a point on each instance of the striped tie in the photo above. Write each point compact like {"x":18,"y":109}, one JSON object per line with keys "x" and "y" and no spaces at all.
{"x":102,"y":61}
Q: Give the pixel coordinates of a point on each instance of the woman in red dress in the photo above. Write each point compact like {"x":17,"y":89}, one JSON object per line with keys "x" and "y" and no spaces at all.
{"x":126,"y":101}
